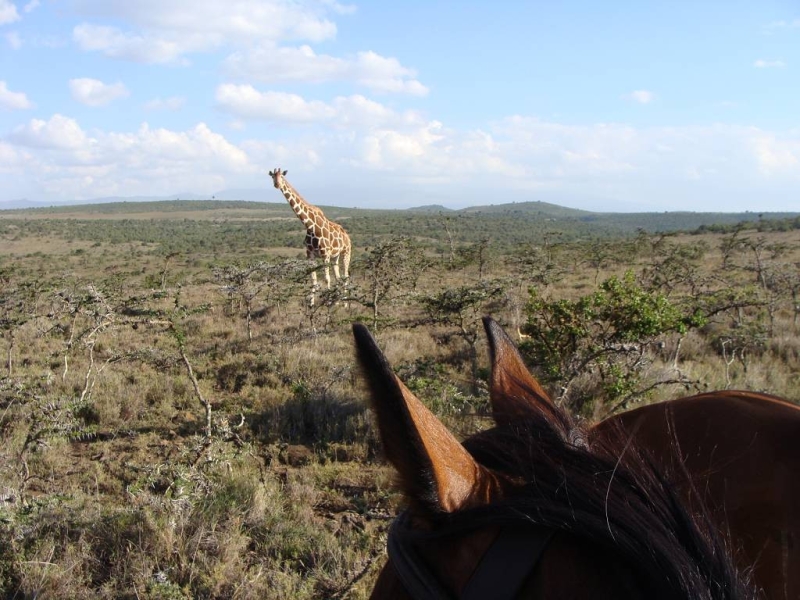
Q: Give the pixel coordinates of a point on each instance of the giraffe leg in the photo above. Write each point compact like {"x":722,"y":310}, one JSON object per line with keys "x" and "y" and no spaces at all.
{"x":336,"y":273}
{"x":313,"y":287}
{"x":346,"y":265}
{"x":327,"y":272}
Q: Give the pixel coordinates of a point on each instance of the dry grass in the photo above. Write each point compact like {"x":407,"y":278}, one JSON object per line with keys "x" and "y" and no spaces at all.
{"x":110,"y":489}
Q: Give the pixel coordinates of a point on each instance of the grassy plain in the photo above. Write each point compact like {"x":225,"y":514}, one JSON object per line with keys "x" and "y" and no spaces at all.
{"x":178,"y":422}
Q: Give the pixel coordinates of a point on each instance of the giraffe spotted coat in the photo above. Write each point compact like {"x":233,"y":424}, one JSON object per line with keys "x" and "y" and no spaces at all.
{"x":324,"y":238}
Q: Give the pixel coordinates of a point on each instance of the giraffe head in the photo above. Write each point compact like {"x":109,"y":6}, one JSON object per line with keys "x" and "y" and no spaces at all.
{"x":277,"y":176}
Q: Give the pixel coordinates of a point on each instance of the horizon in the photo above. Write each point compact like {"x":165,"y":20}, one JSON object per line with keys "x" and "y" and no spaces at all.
{"x":617,"y":108}
{"x":25,"y":204}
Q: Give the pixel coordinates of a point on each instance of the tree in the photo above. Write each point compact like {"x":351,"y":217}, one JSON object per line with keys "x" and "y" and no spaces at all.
{"x":391,"y":269}
{"x":538,"y":266}
{"x":607,"y":333}
{"x":477,"y":252}
{"x":674,"y":267}
{"x":462,"y":308}
{"x":244,"y":285}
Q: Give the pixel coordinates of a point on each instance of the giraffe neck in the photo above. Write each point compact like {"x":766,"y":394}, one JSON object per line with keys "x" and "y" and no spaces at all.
{"x":300,"y":207}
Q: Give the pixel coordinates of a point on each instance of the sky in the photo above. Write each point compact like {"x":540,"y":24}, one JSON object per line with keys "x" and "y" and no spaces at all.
{"x":614,"y":106}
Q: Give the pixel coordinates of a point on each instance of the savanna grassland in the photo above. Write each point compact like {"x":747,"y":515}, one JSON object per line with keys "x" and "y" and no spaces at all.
{"x":178,"y":421}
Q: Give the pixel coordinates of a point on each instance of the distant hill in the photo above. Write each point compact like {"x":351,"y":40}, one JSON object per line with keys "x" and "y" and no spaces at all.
{"x":252,"y":195}
{"x":21,"y":204}
{"x":528,"y":208}
{"x":114,"y":199}
{"x":430,"y":208}
{"x":24,"y":203}
{"x":261,"y":199}
{"x":137,"y":205}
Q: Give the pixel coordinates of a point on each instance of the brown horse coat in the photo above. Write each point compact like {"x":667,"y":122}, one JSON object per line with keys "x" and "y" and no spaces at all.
{"x":742,"y":452}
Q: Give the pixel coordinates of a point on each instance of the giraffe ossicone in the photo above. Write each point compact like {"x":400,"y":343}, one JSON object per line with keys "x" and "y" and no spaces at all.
{"x":324,"y":238}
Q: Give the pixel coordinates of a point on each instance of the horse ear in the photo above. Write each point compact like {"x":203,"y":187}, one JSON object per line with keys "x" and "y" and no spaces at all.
{"x":513,"y":391}
{"x":436,"y":473}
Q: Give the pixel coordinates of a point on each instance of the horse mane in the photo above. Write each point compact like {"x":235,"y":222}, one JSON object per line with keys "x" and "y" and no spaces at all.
{"x":607,"y":491}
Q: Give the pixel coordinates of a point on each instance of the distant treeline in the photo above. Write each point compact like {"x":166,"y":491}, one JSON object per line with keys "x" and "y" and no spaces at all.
{"x":136,"y":206}
{"x":787,"y":224}
{"x":257,"y":225}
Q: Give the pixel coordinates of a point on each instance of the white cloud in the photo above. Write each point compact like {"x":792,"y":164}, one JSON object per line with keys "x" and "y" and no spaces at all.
{"x":246,"y":102}
{"x":68,"y":162}
{"x":198,"y":143}
{"x":59,"y":132}
{"x":14,"y":40}
{"x":171,"y":103}
{"x":776,"y":156}
{"x":358,"y":112}
{"x":679,"y":168}
{"x":8,"y":12}
{"x":392,"y":149}
{"x":386,"y":75}
{"x":640,"y":96}
{"x":270,"y":63}
{"x":234,"y":20}
{"x":399,"y":158}
{"x":352,"y":112}
{"x":601,"y":151}
{"x":31,"y":6}
{"x":677,"y":165}
{"x":342,"y":9}
{"x":93,"y":92}
{"x":270,"y":153}
{"x":13,"y":100}
{"x":769,"y":64}
{"x":165,"y":30}
{"x":138,"y":48}
{"x":9,"y":156}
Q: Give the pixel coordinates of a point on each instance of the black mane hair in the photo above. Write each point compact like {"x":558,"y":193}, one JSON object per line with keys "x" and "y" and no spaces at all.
{"x":611,"y":494}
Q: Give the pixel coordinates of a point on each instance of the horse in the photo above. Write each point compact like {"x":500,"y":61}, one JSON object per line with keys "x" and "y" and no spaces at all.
{"x":692,"y":498}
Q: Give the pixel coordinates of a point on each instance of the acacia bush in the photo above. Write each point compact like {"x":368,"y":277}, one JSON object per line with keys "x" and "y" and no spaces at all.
{"x":609,"y":333}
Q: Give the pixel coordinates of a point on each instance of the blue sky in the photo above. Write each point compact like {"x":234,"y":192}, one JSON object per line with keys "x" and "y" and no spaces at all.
{"x":613,"y":106}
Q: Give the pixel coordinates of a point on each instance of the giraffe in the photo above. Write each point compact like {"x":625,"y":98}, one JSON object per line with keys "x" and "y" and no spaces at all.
{"x":324,"y":238}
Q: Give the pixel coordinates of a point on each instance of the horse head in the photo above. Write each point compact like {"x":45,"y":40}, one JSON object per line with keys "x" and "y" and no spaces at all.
{"x":529,"y":508}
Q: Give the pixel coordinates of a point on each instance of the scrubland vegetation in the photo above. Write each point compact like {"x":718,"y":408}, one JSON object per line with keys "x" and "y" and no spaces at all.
{"x":178,"y":422}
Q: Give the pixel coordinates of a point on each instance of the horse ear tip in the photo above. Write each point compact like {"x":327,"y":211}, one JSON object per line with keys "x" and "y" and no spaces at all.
{"x":361,"y":332}
{"x":365,"y":343}
{"x":494,"y":332}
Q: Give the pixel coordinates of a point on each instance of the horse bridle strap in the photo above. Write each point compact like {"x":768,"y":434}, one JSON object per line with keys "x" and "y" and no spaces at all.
{"x":499,"y":575}
{"x":507,"y":563}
